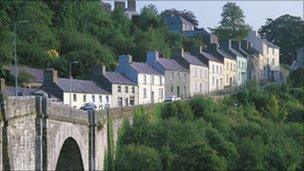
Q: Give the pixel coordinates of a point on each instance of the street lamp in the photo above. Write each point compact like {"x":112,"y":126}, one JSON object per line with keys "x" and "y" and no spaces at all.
{"x":15,"y":54}
{"x":70,"y":81}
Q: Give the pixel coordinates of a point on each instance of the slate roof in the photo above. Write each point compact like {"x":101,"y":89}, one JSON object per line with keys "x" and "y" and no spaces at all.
{"x":196,"y":32}
{"x":171,"y":65}
{"x":117,"y":78}
{"x":226,"y":55}
{"x":80,"y":86}
{"x":144,"y":68}
{"x":184,"y":21}
{"x":37,"y":74}
{"x":270,"y":44}
{"x":193,"y":60}
{"x":210,"y":57}
{"x":233,"y":52}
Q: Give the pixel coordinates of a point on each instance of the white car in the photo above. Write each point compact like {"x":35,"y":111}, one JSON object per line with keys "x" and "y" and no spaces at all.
{"x":172,"y":98}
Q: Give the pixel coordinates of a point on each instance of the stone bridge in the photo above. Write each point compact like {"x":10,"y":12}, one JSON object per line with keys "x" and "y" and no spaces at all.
{"x":37,"y":134}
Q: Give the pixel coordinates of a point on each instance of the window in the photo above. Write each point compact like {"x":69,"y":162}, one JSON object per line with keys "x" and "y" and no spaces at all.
{"x":132,"y":101}
{"x":127,"y":89}
{"x":161,"y":93}
{"x":221,"y":70}
{"x":172,"y":76}
{"x":217,"y":69}
{"x":213,"y":69}
{"x":185,"y":89}
{"x":172,"y":88}
{"x":201,"y":87}
{"x":196,"y":72}
{"x":272,"y":61}
{"x":133,"y":90}
{"x":160,"y":80}
{"x":221,"y":81}
{"x":107,"y":99}
{"x":230,"y":66}
{"x":100,"y":98}
{"x":127,"y":101}
{"x":145,"y":79}
{"x":267,"y":61}
{"x":152,"y":79}
{"x":74,"y":97}
{"x":227,"y":79}
{"x":273,"y":51}
{"x":84,"y":98}
{"x":93,"y":98}
{"x":119,"y":89}
{"x":267,"y":50}
{"x":119,"y":101}
{"x":185,"y":77}
{"x":234,"y":67}
{"x":145,"y":93}
{"x":213,"y":81}
{"x":227,"y":66}
{"x":178,"y":77}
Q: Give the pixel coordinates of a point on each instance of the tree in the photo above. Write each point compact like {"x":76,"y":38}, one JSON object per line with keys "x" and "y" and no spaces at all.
{"x":232,"y":25}
{"x":138,"y":157}
{"x":286,"y":32}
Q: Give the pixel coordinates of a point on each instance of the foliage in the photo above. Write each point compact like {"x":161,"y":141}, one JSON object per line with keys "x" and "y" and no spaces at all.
{"x":264,"y":131}
{"x":25,"y":77}
{"x":285,"y":31}
{"x":232,"y":25}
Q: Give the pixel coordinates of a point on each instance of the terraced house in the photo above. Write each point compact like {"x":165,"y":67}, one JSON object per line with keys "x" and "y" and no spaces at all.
{"x":198,"y":78}
{"x":215,"y":65}
{"x":74,"y":92}
{"x":176,"y":76}
{"x":268,"y":57}
{"x":124,"y":91}
{"x":151,"y":83}
{"x":241,"y":62}
{"x":229,"y":64}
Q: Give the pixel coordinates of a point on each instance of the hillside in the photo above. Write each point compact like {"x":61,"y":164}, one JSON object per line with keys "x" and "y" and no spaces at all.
{"x":255,"y":129}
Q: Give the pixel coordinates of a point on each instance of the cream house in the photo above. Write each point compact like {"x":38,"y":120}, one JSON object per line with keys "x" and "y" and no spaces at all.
{"x":215,"y":68}
{"x":74,"y":92}
{"x":269,"y":54}
{"x":151,"y":83}
{"x":198,"y":77}
{"x":229,"y":64}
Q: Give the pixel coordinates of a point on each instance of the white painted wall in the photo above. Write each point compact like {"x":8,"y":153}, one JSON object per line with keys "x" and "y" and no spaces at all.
{"x":229,"y":72}
{"x":89,"y":98}
{"x":148,"y":86}
{"x":124,"y":95}
{"x":198,"y":79}
{"x":216,"y":76}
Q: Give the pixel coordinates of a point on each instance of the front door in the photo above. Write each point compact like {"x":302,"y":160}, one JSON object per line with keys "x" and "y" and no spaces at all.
{"x":152,"y":96}
{"x":178,"y":91}
{"x":217,"y":84}
{"x":230,"y":81}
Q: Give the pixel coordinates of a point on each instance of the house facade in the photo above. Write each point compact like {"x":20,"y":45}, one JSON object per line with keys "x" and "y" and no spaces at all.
{"x":176,"y":76}
{"x":269,"y":54}
{"x":74,"y":92}
{"x":229,"y":64}
{"x":241,"y":62}
{"x":216,"y":68}
{"x":124,"y":91}
{"x":198,"y":77}
{"x":151,"y":83}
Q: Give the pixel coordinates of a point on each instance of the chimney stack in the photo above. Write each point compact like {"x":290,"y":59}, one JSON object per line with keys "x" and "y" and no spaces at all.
{"x":152,"y":56}
{"x":49,"y":75}
{"x":125,"y":59}
{"x":2,"y":84}
{"x":98,"y":71}
{"x":179,"y":52}
{"x":196,"y":49}
{"x":131,"y":5}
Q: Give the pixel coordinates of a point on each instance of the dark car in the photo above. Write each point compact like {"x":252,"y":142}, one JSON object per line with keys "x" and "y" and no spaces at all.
{"x":88,"y":106}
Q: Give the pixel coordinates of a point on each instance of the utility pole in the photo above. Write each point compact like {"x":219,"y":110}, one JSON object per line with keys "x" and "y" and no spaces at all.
{"x":15,"y":54}
{"x":70,"y":80}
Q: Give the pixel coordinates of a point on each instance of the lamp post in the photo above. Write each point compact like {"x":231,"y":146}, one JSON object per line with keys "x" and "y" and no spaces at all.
{"x":70,"y":81}
{"x":15,"y":54}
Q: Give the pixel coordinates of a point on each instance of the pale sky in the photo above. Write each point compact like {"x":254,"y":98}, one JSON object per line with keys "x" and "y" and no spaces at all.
{"x":208,"y":13}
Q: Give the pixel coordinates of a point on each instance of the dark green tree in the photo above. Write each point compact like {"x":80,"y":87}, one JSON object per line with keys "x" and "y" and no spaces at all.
{"x":232,"y":25}
{"x":285,"y":31}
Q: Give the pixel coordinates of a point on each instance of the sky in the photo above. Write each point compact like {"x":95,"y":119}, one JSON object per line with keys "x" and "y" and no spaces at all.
{"x":208,"y":13}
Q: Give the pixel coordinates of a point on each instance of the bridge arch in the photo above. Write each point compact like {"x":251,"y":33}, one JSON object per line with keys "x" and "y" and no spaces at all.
{"x":67,"y":133}
{"x":70,"y":157}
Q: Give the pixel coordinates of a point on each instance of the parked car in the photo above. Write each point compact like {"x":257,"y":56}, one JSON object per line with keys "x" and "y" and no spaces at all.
{"x":88,"y":106}
{"x":172,"y":98}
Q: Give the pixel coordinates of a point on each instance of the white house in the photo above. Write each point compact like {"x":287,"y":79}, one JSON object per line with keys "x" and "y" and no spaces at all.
{"x":74,"y":92}
{"x":151,"y":83}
